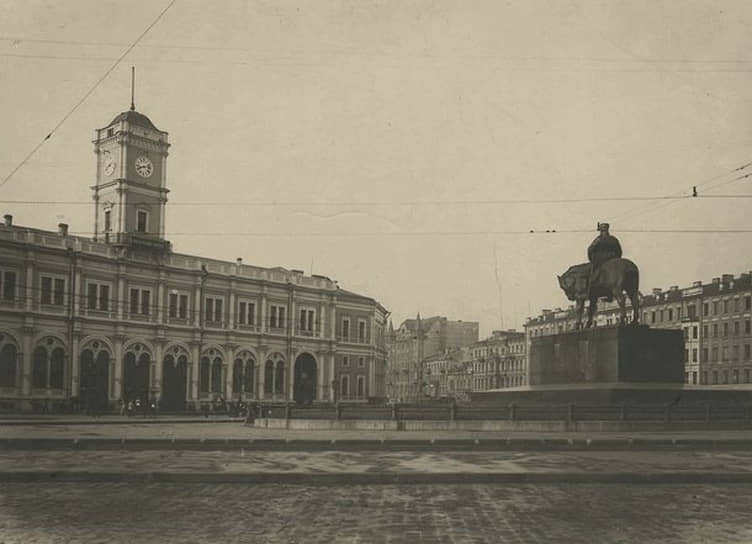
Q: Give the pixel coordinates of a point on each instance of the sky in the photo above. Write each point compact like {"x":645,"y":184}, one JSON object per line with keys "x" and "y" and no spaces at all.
{"x":388,"y":144}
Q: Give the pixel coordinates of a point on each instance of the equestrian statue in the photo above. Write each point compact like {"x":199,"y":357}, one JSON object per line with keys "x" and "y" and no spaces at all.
{"x":606,"y":276}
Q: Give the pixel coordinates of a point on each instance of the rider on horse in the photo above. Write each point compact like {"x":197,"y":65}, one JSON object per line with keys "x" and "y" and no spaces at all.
{"x":603,"y":248}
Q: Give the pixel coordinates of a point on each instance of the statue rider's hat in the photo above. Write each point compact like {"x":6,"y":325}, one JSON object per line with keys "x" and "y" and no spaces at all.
{"x":603,"y":227}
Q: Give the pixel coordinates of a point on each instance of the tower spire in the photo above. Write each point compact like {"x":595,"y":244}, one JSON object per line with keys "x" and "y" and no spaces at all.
{"x":133,"y":87}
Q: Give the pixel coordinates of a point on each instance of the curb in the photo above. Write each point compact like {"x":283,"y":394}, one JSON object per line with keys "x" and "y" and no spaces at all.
{"x":269,"y":444}
{"x":129,"y":421}
{"x":382,"y":478}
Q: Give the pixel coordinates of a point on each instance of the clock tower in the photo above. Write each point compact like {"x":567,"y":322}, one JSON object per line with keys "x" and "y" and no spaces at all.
{"x":131,"y":187}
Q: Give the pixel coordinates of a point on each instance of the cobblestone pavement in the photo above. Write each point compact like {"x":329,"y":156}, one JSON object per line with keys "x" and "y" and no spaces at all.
{"x":238,"y":430}
{"x":375,"y":462}
{"x":269,"y":514}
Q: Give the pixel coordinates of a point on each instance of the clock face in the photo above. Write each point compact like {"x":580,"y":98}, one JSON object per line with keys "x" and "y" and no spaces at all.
{"x":144,"y":167}
{"x":109,"y":164}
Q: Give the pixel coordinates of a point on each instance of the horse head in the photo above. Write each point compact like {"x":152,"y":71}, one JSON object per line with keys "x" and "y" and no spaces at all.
{"x":568,"y":283}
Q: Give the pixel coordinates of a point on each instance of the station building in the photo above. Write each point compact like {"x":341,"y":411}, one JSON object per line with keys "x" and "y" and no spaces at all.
{"x":90,"y":322}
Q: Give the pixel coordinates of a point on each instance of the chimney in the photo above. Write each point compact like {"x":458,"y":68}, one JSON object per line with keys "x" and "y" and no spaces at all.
{"x":657,"y":292}
{"x":62,"y":229}
{"x":727,"y":278}
{"x":716,"y":281}
{"x":697,"y":284}
{"x":673,"y":288}
{"x":239,"y":261}
{"x":8,"y":220}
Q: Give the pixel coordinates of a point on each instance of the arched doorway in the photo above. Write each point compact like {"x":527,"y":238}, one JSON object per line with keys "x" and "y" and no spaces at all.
{"x":174,"y":376}
{"x":304,"y":391}
{"x":136,"y":374}
{"x":95,"y":378}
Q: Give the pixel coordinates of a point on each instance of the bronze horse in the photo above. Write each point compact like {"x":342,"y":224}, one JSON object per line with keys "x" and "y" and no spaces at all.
{"x":614,"y":278}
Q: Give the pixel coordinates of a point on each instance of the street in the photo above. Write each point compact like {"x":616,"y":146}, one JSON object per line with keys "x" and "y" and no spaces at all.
{"x":185,"y":513}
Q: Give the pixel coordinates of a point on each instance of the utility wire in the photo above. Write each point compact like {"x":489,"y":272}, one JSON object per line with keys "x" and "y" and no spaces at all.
{"x":87,"y":94}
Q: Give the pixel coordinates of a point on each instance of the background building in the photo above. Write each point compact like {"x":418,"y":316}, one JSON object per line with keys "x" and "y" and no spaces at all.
{"x":121,"y":316}
{"x":417,"y":339}
{"x":716,"y":319}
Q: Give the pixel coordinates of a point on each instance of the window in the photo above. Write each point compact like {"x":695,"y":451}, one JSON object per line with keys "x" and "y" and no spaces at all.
{"x":178,"y":305}
{"x":361,"y":362}
{"x":686,"y":355}
{"x":346,"y":329}
{"x":746,"y":352}
{"x":213,"y":309}
{"x":736,"y":328}
{"x":652,"y":317}
{"x":98,"y":296}
{"x":661,"y":315}
{"x":748,"y":302}
{"x":277,"y":316}
{"x":736,"y":376}
{"x":725,"y":329}
{"x":7,"y":285}
{"x":306,"y":323}
{"x":715,"y":377}
{"x":724,"y":353}
{"x":715,"y":330}
{"x":705,"y":309}
{"x":345,"y":387}
{"x":107,"y":220}
{"x":692,"y":312}
{"x":694,"y":331}
{"x":704,"y":331}
{"x":345,"y":361}
{"x":736,"y":305}
{"x":670,"y":314}
{"x":725,"y":376}
{"x":142,"y":221}
{"x":704,"y":355}
{"x":746,"y":375}
{"x":140,"y":301}
{"x":725,"y":306}
{"x":694,"y":378}
{"x":704,"y":378}
{"x":8,"y":362}
{"x":53,"y":290}
{"x":735,"y":353}
{"x":694,"y":355}
{"x":714,"y":354}
{"x":361,"y":391}
{"x":361,"y":331}
{"x":246,"y":313}
{"x":715,"y":307}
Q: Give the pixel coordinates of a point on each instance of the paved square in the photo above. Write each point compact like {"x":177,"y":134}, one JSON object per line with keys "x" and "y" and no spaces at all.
{"x":227,"y":513}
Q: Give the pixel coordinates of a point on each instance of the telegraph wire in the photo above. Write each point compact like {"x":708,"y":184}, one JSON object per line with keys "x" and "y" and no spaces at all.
{"x":87,"y":94}
{"x":18,"y":40}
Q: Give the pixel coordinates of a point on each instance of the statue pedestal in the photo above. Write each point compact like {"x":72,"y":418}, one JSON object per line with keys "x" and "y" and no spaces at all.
{"x":608,"y":355}
{"x":607,"y":365}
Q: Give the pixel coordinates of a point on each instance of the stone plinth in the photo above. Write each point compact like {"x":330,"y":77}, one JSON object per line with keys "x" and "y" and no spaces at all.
{"x":608,"y":355}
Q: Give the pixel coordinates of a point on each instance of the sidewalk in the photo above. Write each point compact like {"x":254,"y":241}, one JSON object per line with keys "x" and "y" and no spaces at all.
{"x":222,"y":435}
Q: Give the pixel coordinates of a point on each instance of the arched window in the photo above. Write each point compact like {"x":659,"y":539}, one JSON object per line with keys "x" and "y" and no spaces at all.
{"x":57,"y":368}
{"x":204,"y":372}
{"x":269,"y":377}
{"x":39,"y":368}
{"x":279,"y":378}
{"x":250,"y":376}
{"x":237,"y":376}
{"x":8,"y":363}
{"x":217,"y":375}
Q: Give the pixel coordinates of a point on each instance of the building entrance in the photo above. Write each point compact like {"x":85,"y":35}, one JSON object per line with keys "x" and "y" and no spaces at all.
{"x":94,"y":380}
{"x":305,"y":379}
{"x":174,"y":374}
{"x":136,"y":378}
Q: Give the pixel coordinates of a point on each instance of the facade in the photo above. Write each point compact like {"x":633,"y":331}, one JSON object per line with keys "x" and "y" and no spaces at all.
{"x":415,"y":340}
{"x":91,"y":322}
{"x":496,"y":362}
{"x":716,"y":319}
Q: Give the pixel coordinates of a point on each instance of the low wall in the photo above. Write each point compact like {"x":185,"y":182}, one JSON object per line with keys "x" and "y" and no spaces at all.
{"x":498,"y":426}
